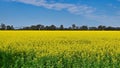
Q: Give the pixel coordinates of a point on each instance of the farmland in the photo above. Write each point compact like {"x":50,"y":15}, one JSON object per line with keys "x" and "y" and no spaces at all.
{"x":59,"y":49}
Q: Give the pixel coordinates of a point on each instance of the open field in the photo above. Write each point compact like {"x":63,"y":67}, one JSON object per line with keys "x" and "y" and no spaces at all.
{"x":59,"y":49}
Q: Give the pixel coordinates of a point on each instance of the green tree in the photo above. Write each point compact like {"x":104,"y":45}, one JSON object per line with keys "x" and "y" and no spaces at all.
{"x":101,"y":27}
{"x":3,"y":26}
{"x":84,"y":27}
{"x":73,"y":26}
{"x":61,"y":27}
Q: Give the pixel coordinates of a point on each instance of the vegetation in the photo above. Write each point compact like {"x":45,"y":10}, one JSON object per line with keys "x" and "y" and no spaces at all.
{"x":53,"y":27}
{"x":57,"y":49}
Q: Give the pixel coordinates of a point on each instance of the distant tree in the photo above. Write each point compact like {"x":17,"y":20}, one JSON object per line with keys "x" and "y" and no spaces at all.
{"x":117,"y":28}
{"x":3,"y":26}
{"x":77,"y":27}
{"x":39,"y":27}
{"x":26,"y":28}
{"x":110,"y":28}
{"x":33,"y":27}
{"x":61,"y":27}
{"x":52,"y":27}
{"x":73,"y":26}
{"x":69,"y":28}
{"x":101,"y":27}
{"x":84,"y":27}
{"x":46,"y":27}
{"x":12,"y":27}
{"x":92,"y":28}
{"x":8,"y":27}
{"x":42,"y":27}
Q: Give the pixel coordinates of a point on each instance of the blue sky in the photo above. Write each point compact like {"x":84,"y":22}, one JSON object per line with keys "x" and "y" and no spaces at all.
{"x":66,"y":12}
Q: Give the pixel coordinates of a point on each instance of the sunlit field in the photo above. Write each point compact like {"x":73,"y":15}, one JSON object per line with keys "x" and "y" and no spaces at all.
{"x":59,"y":49}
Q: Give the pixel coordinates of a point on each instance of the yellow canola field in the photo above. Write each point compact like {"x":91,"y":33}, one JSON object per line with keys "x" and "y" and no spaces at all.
{"x":60,"y":49}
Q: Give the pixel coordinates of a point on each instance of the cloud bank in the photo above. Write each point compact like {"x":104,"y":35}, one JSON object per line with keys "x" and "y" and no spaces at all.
{"x":72,"y":8}
{"x":83,"y":10}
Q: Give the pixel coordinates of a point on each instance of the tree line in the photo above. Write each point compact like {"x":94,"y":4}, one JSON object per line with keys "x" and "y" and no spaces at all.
{"x":61,"y":27}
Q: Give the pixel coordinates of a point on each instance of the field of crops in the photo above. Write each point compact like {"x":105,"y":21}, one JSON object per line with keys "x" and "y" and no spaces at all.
{"x":59,"y":49}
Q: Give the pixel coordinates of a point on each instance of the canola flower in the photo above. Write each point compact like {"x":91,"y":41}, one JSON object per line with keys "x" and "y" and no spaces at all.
{"x":59,"y":49}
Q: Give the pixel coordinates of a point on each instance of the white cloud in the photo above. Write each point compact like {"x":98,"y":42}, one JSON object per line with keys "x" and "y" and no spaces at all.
{"x":72,"y":8}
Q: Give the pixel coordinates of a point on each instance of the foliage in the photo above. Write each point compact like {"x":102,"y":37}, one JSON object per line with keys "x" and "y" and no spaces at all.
{"x":54,"y":27}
